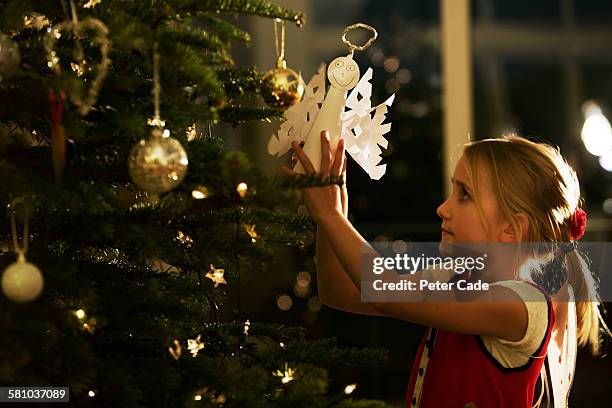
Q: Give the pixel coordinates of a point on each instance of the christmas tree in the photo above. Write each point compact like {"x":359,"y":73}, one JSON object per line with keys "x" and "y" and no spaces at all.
{"x":114,"y":279}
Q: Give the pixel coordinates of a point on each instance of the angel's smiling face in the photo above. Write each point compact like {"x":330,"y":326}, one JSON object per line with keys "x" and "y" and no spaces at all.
{"x":343,"y":73}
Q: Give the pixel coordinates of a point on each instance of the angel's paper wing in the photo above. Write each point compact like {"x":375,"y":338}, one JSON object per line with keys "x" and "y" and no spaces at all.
{"x":362,"y":132}
{"x":300,"y":117}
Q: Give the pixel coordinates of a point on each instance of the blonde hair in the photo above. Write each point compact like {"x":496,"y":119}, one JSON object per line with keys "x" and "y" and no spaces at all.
{"x":534,"y":179}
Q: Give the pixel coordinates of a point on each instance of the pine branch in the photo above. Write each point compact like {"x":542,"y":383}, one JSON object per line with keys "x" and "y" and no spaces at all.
{"x":224,"y":29}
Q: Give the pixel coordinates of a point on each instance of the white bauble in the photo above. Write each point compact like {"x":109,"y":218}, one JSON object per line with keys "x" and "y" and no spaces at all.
{"x":22,"y":281}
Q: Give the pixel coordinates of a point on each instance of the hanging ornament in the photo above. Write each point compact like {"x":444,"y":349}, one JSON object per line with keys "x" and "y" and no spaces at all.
{"x":350,"y":118}
{"x":22,"y":281}
{"x":282,"y":87}
{"x":80,"y":66}
{"x":158,"y":164}
{"x":9,"y":57}
{"x":58,"y":136}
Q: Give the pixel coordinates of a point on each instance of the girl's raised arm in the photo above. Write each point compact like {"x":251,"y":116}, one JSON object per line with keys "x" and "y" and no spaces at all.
{"x":335,"y":287}
{"x":507,"y":320}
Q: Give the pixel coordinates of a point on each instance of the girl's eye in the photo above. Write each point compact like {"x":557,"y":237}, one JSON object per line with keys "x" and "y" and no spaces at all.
{"x":464,"y":195}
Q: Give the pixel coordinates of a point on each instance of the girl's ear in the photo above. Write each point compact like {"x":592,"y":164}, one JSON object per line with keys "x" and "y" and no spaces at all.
{"x":510,"y":234}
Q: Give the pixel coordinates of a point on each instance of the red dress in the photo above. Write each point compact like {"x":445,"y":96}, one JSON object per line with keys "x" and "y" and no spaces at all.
{"x":454,"y":370}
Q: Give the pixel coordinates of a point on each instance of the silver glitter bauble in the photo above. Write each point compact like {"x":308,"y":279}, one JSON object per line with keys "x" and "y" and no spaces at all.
{"x":22,"y":281}
{"x":158,"y":164}
{"x":9,"y":57}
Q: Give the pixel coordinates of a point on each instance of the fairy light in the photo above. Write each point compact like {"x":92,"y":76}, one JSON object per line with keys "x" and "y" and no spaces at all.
{"x":156,"y":122}
{"x":314,"y":304}
{"x":300,"y":290}
{"x":200,"y":193}
{"x":303,"y":278}
{"x":195,"y":345}
{"x":191,"y":133}
{"x":91,"y":393}
{"x":216,"y":275}
{"x":220,"y":399}
{"x":80,"y":68}
{"x":242,"y":189}
{"x":92,"y":3}
{"x":197,"y":397}
{"x":184,"y":239}
{"x":250,"y":229}
{"x":391,"y":64}
{"x":281,"y":345}
{"x":175,"y":350}
{"x":284,"y":302}
{"x":247,"y":325}
{"x":80,"y":314}
{"x":350,"y":388}
{"x":286,"y":376}
{"x":35,"y":20}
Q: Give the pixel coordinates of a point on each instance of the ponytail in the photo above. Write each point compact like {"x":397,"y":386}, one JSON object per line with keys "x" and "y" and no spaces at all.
{"x":588,"y":316}
{"x":568,"y":265}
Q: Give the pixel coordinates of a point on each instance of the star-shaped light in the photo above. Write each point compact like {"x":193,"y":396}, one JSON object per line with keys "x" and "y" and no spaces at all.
{"x":216,"y":275}
{"x":80,"y":68}
{"x":191,"y":133}
{"x":286,"y":376}
{"x":250,"y":229}
{"x":195,"y":345}
{"x":184,"y":239}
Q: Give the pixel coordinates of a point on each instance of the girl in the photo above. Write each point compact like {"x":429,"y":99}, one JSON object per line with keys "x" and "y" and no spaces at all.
{"x":479,"y":354}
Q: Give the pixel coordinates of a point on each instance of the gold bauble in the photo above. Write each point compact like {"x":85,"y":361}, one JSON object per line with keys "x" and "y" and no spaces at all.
{"x":158,"y":164}
{"x":282,"y":87}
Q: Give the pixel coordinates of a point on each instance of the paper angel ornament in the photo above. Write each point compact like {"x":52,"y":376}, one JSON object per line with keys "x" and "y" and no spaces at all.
{"x":351,"y":118}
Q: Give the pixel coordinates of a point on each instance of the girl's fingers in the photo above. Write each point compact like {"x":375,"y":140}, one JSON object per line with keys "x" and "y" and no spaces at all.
{"x":339,"y":159}
{"x":294,"y":157}
{"x":325,"y":155}
{"x":306,"y":163}
{"x":288,"y":171}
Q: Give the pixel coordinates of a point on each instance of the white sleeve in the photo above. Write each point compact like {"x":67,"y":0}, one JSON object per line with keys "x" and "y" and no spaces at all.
{"x":512,"y":354}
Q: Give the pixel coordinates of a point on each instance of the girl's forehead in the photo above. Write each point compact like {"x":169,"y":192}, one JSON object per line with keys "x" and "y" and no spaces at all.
{"x":463,"y":174}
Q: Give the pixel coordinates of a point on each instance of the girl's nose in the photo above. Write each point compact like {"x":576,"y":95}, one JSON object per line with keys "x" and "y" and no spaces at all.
{"x":442,"y":210}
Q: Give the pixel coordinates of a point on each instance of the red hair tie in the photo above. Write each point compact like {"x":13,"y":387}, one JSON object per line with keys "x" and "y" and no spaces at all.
{"x":577,"y":224}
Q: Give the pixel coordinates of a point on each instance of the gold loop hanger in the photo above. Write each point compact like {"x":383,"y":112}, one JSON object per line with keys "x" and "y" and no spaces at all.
{"x":352,"y":47}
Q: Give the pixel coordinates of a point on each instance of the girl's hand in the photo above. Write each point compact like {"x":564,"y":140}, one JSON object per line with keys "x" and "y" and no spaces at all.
{"x":325,"y":200}
{"x":343,"y":189}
